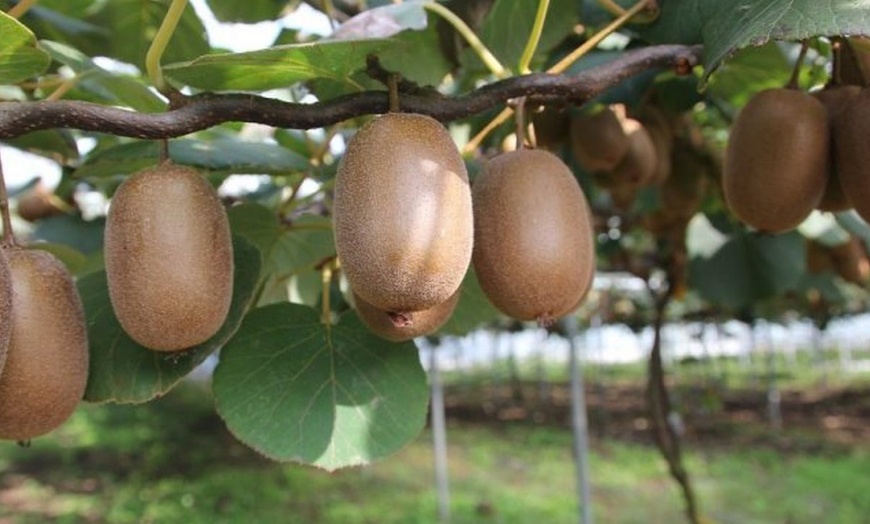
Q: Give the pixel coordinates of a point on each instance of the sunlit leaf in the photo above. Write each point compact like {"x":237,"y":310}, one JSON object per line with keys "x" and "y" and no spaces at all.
{"x":20,"y":57}
{"x":295,"y":389}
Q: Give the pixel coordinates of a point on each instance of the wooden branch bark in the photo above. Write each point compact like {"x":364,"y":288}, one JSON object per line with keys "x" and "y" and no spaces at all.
{"x":198,"y":112}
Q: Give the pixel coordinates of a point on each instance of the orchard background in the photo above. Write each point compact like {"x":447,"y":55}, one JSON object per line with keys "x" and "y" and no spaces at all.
{"x":730,"y":342}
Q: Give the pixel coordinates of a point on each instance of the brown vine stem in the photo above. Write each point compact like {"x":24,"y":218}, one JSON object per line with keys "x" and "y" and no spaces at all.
{"x":206,"y":110}
{"x":8,"y":235}
{"x":19,"y":9}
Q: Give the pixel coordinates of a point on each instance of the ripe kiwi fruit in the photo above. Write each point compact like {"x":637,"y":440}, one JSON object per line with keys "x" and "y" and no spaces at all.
{"x":405,"y":326}
{"x":640,"y":162}
{"x":534,"y":249}
{"x":776,"y":160}
{"x":403,"y":213}
{"x":849,"y":260}
{"x":851,"y":152}
{"x":37,"y":203}
{"x":834,"y":99}
{"x":5,"y":307}
{"x":47,"y":362}
{"x":683,"y":191}
{"x":598,"y":140}
{"x":551,"y":127}
{"x":169,"y":258}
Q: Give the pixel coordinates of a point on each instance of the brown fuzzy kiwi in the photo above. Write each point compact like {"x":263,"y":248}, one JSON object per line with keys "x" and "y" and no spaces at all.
{"x":819,"y":257}
{"x":551,"y":125}
{"x":399,"y":327}
{"x":683,"y":191}
{"x":47,"y":363}
{"x":834,"y":99}
{"x":598,"y":140}
{"x":851,"y":152}
{"x":534,"y":246}
{"x":5,"y":307}
{"x":403,"y":213}
{"x":776,"y":160}
{"x":39,"y":202}
{"x":169,"y":258}
{"x":640,"y":162}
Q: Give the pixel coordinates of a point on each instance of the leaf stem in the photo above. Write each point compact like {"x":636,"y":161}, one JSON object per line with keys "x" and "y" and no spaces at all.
{"x":559,"y":68}
{"x":8,"y":239}
{"x":617,"y":10}
{"x":325,"y":307}
{"x":793,"y":82}
{"x":161,"y":40}
{"x":462,"y":28}
{"x":18,"y":10}
{"x":534,"y":37}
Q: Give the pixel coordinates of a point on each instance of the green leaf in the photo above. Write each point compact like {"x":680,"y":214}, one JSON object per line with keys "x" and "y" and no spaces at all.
{"x":308,"y":242}
{"x":473,"y":309}
{"x":223,"y":154}
{"x":109,"y":87}
{"x":746,"y":267}
{"x":71,"y":230}
{"x":249,"y":11}
{"x":508,"y":25}
{"x":20,"y":57}
{"x":133,"y":24}
{"x":383,"y":21}
{"x":257,"y":223}
{"x":329,"y":396}
{"x":122,"y":370}
{"x":417,"y":56}
{"x":749,"y":72}
{"x":52,"y":143}
{"x":724,"y":26}
{"x":277,"y":67}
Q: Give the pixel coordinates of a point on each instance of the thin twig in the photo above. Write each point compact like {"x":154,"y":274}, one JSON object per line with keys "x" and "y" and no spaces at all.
{"x":8,"y":234}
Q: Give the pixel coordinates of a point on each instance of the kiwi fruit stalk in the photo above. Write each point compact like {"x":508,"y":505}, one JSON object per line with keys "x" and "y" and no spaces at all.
{"x":534,"y":250}
{"x":598,"y":139}
{"x":403,"y":213}
{"x":169,"y":258}
{"x":399,"y":327}
{"x":851,"y":152}
{"x":834,"y":99}
{"x":776,"y":160}
{"x":47,"y":362}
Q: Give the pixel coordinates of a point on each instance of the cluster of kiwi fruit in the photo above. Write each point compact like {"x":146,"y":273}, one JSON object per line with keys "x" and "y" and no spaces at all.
{"x":408,"y":225}
{"x":804,"y":148}
{"x":849,"y":260}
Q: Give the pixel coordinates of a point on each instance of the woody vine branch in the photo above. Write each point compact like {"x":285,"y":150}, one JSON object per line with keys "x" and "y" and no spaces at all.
{"x":189,"y":114}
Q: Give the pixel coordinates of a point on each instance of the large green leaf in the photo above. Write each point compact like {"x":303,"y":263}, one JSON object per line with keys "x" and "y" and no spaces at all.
{"x":20,"y":57}
{"x":277,"y":67}
{"x":248,"y":11}
{"x":133,"y":24}
{"x":724,"y":26}
{"x":509,"y":23}
{"x":122,"y":370}
{"x":473,"y":309}
{"x":745,"y":268}
{"x":417,"y":56}
{"x":295,"y":389}
{"x":109,"y":87}
{"x":224,"y":154}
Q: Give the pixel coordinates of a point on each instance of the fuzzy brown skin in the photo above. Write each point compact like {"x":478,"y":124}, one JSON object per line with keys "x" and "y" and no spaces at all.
{"x":534,"y":250}
{"x":598,"y":140}
{"x":403,"y":213}
{"x":405,"y":326}
{"x":47,"y":363}
{"x":638,"y":166}
{"x":834,"y":99}
{"x":5,"y":307}
{"x":169,"y":258}
{"x":776,"y":160}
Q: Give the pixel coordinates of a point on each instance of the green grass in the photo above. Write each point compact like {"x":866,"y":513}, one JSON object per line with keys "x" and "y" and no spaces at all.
{"x":171,"y":461}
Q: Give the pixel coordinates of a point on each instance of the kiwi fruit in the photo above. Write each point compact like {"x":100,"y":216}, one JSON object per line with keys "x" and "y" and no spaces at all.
{"x":403,"y":213}
{"x":819,"y":259}
{"x":683,"y":191}
{"x":5,"y":307}
{"x":534,"y":249}
{"x":405,"y":326}
{"x":38,"y":203}
{"x":598,"y":140}
{"x":850,"y":261}
{"x":47,"y":362}
{"x":551,"y":126}
{"x":169,"y":258}
{"x":834,"y":99}
{"x":638,"y":166}
{"x":851,"y":152}
{"x":776,"y":160}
